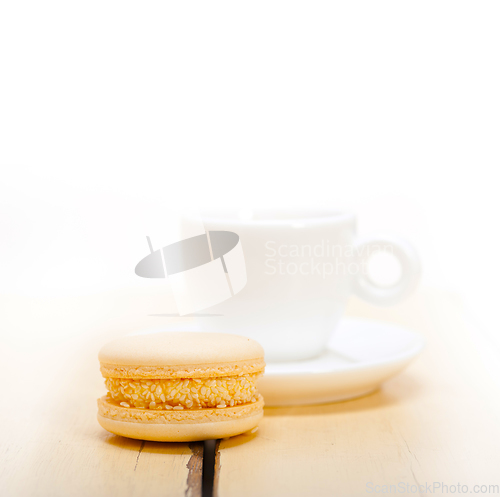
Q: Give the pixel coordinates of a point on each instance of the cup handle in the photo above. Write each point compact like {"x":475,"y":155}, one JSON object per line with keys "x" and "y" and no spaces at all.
{"x":367,"y":289}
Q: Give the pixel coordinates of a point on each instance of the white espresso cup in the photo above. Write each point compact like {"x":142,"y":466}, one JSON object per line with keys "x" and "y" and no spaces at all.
{"x":302,"y":267}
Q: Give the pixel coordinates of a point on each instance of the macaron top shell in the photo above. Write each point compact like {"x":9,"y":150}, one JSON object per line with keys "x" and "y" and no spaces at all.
{"x":181,"y":354}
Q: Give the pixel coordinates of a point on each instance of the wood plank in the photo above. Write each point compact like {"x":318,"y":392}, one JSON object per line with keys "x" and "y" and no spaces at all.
{"x":436,"y":423}
{"x":51,"y":443}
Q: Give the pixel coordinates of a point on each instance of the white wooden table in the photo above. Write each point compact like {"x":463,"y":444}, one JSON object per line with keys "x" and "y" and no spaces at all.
{"x":436,"y":423}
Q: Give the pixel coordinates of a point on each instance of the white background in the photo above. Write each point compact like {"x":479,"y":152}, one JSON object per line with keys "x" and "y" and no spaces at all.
{"x":115,"y":114}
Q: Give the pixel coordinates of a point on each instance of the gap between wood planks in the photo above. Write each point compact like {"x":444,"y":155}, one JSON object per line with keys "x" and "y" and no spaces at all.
{"x":203,"y":465}
{"x":211,"y":466}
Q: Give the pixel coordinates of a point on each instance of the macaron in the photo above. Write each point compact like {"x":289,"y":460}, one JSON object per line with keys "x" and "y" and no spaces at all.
{"x":181,"y":386}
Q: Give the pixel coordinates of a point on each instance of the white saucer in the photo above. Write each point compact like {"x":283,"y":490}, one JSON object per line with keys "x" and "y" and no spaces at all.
{"x":361,"y":356}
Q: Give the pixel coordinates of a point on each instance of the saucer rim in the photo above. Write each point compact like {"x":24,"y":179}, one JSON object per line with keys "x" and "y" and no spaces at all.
{"x":411,"y":351}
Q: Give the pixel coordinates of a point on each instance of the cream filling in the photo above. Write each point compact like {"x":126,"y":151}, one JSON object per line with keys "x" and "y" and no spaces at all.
{"x":184,"y":393}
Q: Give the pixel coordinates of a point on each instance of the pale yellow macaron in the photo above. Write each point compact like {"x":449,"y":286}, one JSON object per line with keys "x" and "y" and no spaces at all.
{"x":181,"y":386}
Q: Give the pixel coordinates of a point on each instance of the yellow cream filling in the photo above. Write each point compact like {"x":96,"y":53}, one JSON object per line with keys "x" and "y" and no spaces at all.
{"x":184,"y":393}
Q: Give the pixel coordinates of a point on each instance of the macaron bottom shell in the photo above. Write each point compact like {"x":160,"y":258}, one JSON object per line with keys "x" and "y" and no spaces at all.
{"x":187,"y":425}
